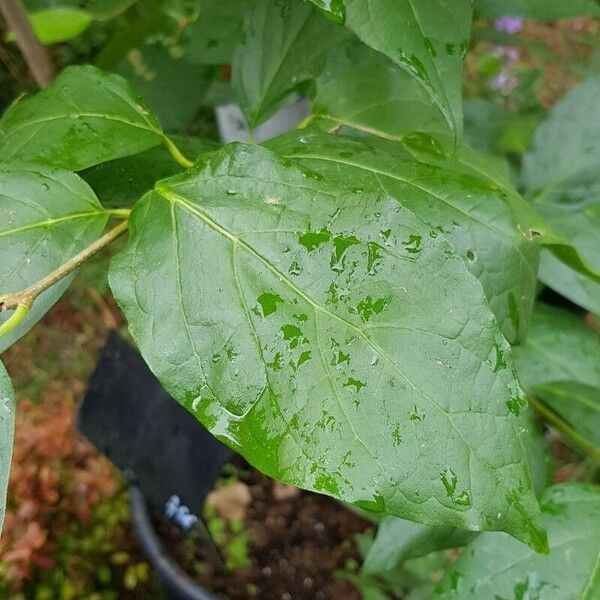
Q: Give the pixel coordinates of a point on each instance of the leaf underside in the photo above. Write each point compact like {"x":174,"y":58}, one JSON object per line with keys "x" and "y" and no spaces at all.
{"x":7,"y":427}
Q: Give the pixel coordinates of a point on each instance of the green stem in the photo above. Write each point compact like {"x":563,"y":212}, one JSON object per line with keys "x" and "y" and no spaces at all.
{"x":186,"y":163}
{"x":553,"y":419}
{"x":119,"y":213}
{"x":22,"y":301}
{"x":15,"y":319}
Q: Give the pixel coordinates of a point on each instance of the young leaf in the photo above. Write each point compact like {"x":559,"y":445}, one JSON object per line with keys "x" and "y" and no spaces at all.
{"x":472,"y":214}
{"x":495,"y":566}
{"x":428,"y":39}
{"x":398,"y":540}
{"x":559,"y":348}
{"x":85,"y":117}
{"x":7,"y":428}
{"x":562,"y":173}
{"x":542,"y":10}
{"x":48,"y":216}
{"x":286,"y":44}
{"x":332,"y":338}
{"x":365,"y":90}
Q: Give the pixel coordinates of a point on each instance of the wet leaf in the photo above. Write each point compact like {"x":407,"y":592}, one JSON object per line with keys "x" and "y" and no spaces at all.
{"x":46,"y":217}
{"x":428,"y":39}
{"x":496,"y":566}
{"x":332,"y":338}
{"x":467,"y":209}
{"x":85,"y":117}
{"x":285,"y":46}
{"x":7,"y":427}
{"x":562,"y":174}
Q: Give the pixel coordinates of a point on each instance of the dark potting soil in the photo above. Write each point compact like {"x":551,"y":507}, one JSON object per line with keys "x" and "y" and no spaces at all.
{"x":295,"y":546}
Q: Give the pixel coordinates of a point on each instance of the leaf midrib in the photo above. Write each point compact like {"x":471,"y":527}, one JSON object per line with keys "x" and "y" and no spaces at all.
{"x":50,"y":222}
{"x":171,"y":196}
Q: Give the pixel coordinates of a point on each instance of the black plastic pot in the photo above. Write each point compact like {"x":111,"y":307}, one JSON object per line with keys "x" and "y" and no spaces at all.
{"x":179,"y":585}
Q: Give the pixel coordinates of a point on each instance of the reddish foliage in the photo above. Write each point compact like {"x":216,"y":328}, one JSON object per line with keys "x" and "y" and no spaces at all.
{"x":56,"y":478}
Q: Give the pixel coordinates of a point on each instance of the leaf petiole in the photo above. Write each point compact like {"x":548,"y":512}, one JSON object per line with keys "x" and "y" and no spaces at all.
{"x":176,"y":153}
{"x":22,"y":301}
{"x":555,"y":421}
{"x":15,"y":320}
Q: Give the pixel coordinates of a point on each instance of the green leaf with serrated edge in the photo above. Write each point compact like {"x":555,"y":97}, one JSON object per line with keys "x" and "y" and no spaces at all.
{"x":496,"y":566}
{"x":542,"y":10}
{"x":398,"y":540}
{"x":85,"y":117}
{"x":471,"y":213}
{"x":7,"y":428}
{"x":365,"y":90}
{"x":47,"y":216}
{"x":57,"y":24}
{"x":562,"y":175}
{"x":575,"y":403}
{"x":123,"y":181}
{"x":286,"y":45}
{"x":560,"y":347}
{"x":428,"y":39}
{"x":332,"y":338}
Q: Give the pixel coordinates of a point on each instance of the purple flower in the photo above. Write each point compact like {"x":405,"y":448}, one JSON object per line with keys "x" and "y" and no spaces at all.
{"x":508,"y":24}
{"x":504,"y":82}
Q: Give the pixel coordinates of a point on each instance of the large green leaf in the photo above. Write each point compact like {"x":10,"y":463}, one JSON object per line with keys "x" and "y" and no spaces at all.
{"x":365,"y":90}
{"x":83,"y":118}
{"x":48,"y":216}
{"x":427,"y":38}
{"x":123,"y":181}
{"x":495,"y":566}
{"x":467,"y":209}
{"x":559,"y":348}
{"x":547,"y":10}
{"x":562,"y":173}
{"x":285,"y":46}
{"x":332,"y":338}
{"x":7,"y":428}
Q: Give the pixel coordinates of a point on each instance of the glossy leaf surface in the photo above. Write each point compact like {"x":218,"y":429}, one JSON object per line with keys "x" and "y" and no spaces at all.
{"x":467,"y":209}
{"x":427,"y":38}
{"x":285,"y":46}
{"x":46,"y":216}
{"x":85,"y":117}
{"x":326,"y":335}
{"x":7,"y":428}
{"x":562,"y":173}
{"x":496,"y":566}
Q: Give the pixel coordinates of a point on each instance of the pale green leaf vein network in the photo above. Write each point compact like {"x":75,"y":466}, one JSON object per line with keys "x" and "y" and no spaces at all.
{"x":48,"y":223}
